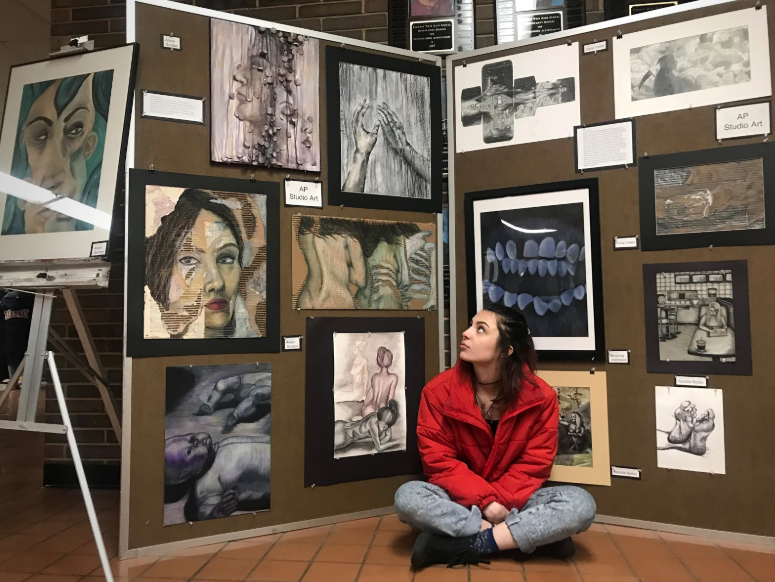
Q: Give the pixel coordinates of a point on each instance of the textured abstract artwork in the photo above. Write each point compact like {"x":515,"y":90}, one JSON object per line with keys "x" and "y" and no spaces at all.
{"x":350,"y":263}
{"x":697,"y":62}
{"x":264,"y":97}
{"x":205,"y":271}
{"x":369,"y":393}
{"x":217,"y":446}
{"x":690,"y":429}
{"x":536,"y":252}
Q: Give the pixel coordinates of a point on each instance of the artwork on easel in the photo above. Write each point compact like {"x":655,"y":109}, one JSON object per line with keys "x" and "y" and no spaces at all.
{"x":65,"y":127}
{"x":203,"y":265}
{"x":695,"y":325}
{"x":716,"y":59}
{"x":718,"y":197}
{"x":217,"y":441}
{"x":582,"y":437}
{"x":265,"y":108}
{"x":363,"y":385}
{"x":690,"y":429}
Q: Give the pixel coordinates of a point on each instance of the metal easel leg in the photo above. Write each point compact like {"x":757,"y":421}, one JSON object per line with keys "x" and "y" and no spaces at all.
{"x":12,"y":383}
{"x":95,"y":526}
{"x":93,"y":358}
{"x":35,"y":356}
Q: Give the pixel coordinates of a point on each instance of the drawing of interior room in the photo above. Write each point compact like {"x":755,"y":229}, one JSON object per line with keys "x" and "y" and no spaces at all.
{"x":696,"y":316}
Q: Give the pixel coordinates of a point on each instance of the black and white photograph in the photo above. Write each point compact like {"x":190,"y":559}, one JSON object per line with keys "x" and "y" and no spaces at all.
{"x":716,"y":197}
{"x":523,"y":98}
{"x":699,"y":62}
{"x":537,"y":249}
{"x":217,"y":441}
{"x":690,"y":429}
{"x":699,"y":326}
{"x":363,"y":384}
{"x":389,"y":121}
{"x":582,"y":440}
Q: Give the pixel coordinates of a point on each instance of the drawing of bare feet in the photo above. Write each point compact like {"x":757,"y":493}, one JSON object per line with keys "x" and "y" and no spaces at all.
{"x":703,"y":426}
{"x":684,"y":423}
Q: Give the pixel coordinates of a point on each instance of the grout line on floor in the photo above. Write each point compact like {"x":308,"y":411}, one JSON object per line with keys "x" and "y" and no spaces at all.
{"x":368,"y":549}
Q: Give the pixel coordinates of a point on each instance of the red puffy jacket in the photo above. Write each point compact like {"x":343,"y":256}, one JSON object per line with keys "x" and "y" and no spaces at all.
{"x":457,"y":449}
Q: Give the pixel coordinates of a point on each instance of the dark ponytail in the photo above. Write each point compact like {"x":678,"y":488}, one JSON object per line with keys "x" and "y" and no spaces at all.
{"x":513,"y":332}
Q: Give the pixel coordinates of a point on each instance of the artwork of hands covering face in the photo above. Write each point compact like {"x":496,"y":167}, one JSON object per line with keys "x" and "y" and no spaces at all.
{"x":58,"y":146}
{"x":206,"y":275}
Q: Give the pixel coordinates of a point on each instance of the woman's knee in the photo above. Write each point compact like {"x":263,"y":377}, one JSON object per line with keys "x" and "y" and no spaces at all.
{"x":583,"y":505}
{"x":409,"y":497}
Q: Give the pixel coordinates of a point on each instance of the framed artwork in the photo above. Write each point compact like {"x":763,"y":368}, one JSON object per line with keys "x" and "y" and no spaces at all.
{"x":537,"y":249}
{"x":264,"y":97}
{"x":364,"y":380}
{"x":697,"y":328}
{"x":523,"y":98}
{"x":388,"y":147}
{"x":217,"y":441}
{"x":690,"y":429}
{"x":203,"y":269}
{"x":582,"y":444}
{"x":65,"y":127}
{"x":716,"y":59}
{"x":717,"y":197}
{"x":354,"y":263}
{"x":428,"y":8}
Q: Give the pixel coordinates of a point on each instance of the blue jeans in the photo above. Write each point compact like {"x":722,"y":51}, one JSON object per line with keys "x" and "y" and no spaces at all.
{"x":550,"y":515}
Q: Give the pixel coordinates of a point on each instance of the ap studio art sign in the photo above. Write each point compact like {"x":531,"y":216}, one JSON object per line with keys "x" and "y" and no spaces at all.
{"x":743,"y":121}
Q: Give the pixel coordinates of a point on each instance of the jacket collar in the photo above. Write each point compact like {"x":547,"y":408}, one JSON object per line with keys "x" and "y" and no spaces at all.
{"x":461,"y":405}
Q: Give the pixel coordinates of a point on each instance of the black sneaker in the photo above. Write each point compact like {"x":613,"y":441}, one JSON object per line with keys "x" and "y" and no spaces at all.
{"x":430,"y":549}
{"x":562,"y":550}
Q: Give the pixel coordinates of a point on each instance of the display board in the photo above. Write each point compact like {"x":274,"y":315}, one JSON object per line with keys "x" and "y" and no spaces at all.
{"x":663,"y":494}
{"x":186,"y":148}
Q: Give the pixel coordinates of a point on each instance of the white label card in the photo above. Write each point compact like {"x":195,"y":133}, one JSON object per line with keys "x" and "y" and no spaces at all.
{"x":301,"y":193}
{"x":292,"y":343}
{"x":626,"y":472}
{"x":170,"y":42}
{"x":99,"y":249}
{"x":174,"y":107}
{"x":743,"y":121}
{"x":618,"y":356}
{"x":625,"y":242}
{"x":693,"y":381}
{"x":608,"y":145}
{"x":595,"y":47}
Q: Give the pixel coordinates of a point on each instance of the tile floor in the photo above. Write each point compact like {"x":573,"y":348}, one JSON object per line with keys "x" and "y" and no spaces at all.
{"x":44,"y":537}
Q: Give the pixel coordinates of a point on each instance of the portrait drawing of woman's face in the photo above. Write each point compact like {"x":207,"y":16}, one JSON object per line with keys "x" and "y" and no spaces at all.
{"x":59,"y":146}
{"x":205,"y":264}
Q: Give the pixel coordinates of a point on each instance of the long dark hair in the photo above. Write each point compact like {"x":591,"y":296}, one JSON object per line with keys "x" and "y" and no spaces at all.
{"x":161,"y":248}
{"x":513,"y":332}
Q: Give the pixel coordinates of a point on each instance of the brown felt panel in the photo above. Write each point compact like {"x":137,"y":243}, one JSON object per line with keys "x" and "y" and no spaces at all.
{"x":178,"y":147}
{"x":739,"y":501}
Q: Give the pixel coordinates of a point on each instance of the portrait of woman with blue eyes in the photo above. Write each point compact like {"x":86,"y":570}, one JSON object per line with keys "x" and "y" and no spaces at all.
{"x":59,"y":146}
{"x":199,"y":268}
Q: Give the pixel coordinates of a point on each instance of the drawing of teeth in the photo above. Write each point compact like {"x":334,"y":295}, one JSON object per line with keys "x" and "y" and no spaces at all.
{"x":499,"y":251}
{"x":572,"y":254}
{"x":506,"y":266}
{"x":531,"y":249}
{"x":560,"y":251}
{"x":511,"y":249}
{"x":547,"y":248}
{"x":490,"y":256}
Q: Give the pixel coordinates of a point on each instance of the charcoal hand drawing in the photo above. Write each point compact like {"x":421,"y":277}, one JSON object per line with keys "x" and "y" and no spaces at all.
{"x":710,"y":198}
{"x":694,"y":63}
{"x":533,"y":259}
{"x":205,"y":264}
{"x":369,"y":417}
{"x":342,"y":263}
{"x":690,"y":429}
{"x":217,"y":441}
{"x":264,"y":97}
{"x":385,"y":129}
{"x":574,"y":447}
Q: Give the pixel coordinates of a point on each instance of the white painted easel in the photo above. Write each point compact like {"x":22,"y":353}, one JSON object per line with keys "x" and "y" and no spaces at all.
{"x":92,"y":274}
